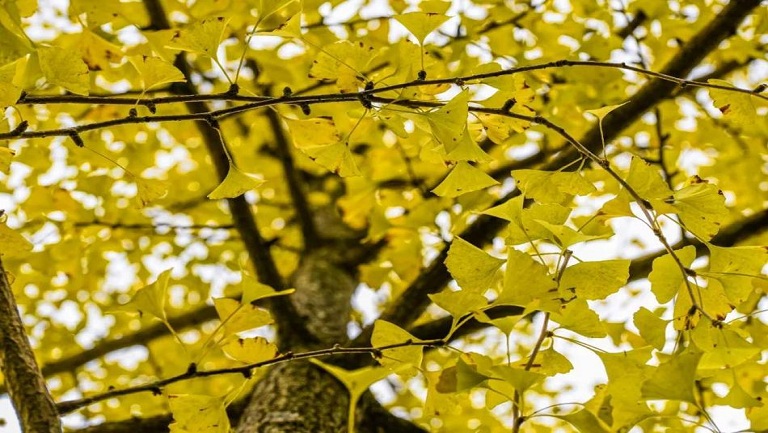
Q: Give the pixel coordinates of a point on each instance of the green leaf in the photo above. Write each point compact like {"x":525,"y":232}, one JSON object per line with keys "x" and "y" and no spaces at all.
{"x":551,"y":186}
{"x":65,"y":68}
{"x":421,"y":24}
{"x":151,"y":298}
{"x":666,"y":277}
{"x":235,"y":184}
{"x":198,"y":414}
{"x":674,"y":378}
{"x":462,"y":179}
{"x":471,"y":267}
{"x":386,"y":334}
{"x":155,"y":72}
{"x":595,"y":280}
{"x":201,"y":37}
{"x":250,"y":350}
{"x":652,"y":328}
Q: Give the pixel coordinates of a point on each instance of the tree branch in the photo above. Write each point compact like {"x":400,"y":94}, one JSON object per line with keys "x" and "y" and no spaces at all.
{"x":29,"y":395}
{"x":292,"y":178}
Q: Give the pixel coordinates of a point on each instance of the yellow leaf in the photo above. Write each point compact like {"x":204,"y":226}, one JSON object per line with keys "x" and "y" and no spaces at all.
{"x":12,"y":47}
{"x":334,"y":157}
{"x":150,"y":299}
{"x":525,"y":281}
{"x":551,"y":186}
{"x":253,"y":290}
{"x":576,"y":316}
{"x":652,"y":328}
{"x":250,"y":350}
{"x":385,"y":334}
{"x":198,"y":414}
{"x":98,"y":12}
{"x":150,"y":190}
{"x":421,"y":24}
{"x":12,"y":244}
{"x":595,"y":280}
{"x":237,"y":317}
{"x":519,"y":378}
{"x":6,"y":155}
{"x":468,"y":150}
{"x":97,"y":53}
{"x":65,"y":68}
{"x":666,"y":277}
{"x":674,"y":379}
{"x":449,"y":122}
{"x":235,"y":184}
{"x":9,"y":92}
{"x":343,"y":62}
{"x":471,"y":267}
{"x":736,"y":107}
{"x":600,"y":113}
{"x":736,"y":269}
{"x":462,"y":179}
{"x":275,"y":13}
{"x":155,"y":72}
{"x":646,"y":180}
{"x":201,"y":37}
{"x":357,"y":381}
{"x":460,"y":303}
{"x":313,"y":132}
{"x":701,"y":207}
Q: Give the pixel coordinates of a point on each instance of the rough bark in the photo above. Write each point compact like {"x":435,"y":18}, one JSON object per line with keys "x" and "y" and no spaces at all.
{"x":26,"y":385}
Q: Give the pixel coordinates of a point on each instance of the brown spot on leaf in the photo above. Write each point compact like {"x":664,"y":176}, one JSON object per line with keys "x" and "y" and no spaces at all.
{"x":724,"y":109}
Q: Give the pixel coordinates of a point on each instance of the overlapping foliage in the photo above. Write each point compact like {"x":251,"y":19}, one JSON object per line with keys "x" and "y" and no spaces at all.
{"x":511,"y":188}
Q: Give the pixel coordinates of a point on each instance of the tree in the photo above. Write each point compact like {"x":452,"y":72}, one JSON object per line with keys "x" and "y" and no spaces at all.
{"x":196,"y":193}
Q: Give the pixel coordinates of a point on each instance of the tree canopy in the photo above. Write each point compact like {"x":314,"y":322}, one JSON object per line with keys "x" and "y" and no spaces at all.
{"x":223,"y":215}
